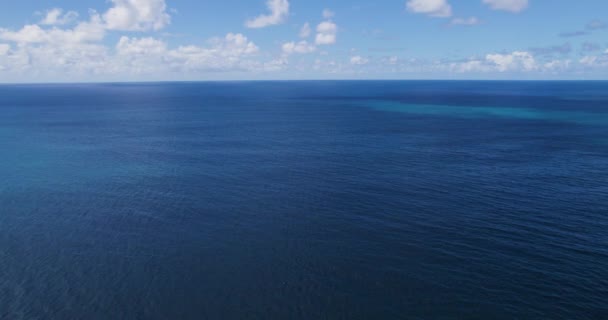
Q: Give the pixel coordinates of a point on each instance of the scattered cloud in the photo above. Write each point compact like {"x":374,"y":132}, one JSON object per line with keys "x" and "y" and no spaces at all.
{"x":150,"y":56}
{"x":56,"y":17}
{"x":137,"y":15}
{"x":327,"y":32}
{"x":517,"y":61}
{"x":588,"y":60}
{"x":90,"y":31}
{"x":301,"y":47}
{"x":62,"y":45}
{"x":557,"y":65}
{"x":305,"y":31}
{"x":472,"y":21}
{"x":507,"y":5}
{"x":358,"y":60}
{"x":595,"y":61}
{"x":433,"y":8}
{"x":4,"y":48}
{"x":80,"y":52}
{"x":279,"y":11}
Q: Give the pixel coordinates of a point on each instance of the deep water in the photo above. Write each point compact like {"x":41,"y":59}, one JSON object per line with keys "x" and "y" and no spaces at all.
{"x":304,"y":200}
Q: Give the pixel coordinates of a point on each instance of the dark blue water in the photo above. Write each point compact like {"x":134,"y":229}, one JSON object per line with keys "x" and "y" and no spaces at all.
{"x":304,"y":200}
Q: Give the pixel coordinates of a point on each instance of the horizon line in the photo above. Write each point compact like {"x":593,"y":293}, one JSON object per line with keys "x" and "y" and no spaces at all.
{"x":295,"y":80}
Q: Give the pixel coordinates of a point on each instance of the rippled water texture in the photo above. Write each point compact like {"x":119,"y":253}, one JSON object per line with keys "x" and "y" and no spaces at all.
{"x":304,"y":200}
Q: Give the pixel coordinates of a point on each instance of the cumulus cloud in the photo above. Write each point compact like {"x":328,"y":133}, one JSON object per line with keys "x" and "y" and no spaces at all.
{"x":142,"y":46}
{"x":600,"y":60}
{"x":557,"y":65}
{"x":588,"y":60}
{"x":50,"y":50}
{"x":79,"y":53}
{"x":358,"y":60}
{"x":327,"y":32}
{"x":90,"y":31}
{"x":517,"y":61}
{"x":468,"y":66}
{"x":137,"y":15}
{"x":56,"y":17}
{"x":507,"y":5}
{"x":149,"y":55}
{"x":301,"y":47}
{"x":465,"y":22}
{"x":4,"y":48}
{"x":279,"y":10}
{"x":433,"y":8}
{"x":305,"y":31}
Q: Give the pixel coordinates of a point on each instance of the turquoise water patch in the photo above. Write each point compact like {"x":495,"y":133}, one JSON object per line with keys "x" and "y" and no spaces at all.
{"x":588,"y":118}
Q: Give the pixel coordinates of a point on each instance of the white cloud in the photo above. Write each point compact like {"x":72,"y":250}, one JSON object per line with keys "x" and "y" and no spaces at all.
{"x":4,"y":48}
{"x":140,"y":56}
{"x":595,"y":61}
{"x":83,"y":32}
{"x":137,"y":15}
{"x":434,"y":8}
{"x":143,"y":46}
{"x":465,"y":22}
{"x":507,"y":5}
{"x":235,"y":44}
{"x":557,"y":65}
{"x":56,"y":17}
{"x":358,"y":60}
{"x":50,"y":51}
{"x":59,"y":60}
{"x":62,"y":52}
{"x":279,"y":10}
{"x":518,"y":60}
{"x":224,"y":54}
{"x":469,"y":66}
{"x":588,"y":60}
{"x":305,"y":31}
{"x":327,"y":32}
{"x":54,"y":55}
{"x":301,"y":47}
{"x":328,"y":14}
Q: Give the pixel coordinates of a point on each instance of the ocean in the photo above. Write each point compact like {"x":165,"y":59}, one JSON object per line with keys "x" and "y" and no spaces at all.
{"x":304,"y":200}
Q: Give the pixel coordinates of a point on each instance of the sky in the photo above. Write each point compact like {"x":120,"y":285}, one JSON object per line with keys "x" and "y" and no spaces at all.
{"x":190,"y":40}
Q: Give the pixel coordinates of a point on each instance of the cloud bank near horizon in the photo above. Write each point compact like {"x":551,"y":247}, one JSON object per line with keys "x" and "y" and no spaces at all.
{"x":67,"y":45}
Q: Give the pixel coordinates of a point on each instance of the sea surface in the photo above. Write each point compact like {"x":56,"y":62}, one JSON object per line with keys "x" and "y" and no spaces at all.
{"x":304,"y":200}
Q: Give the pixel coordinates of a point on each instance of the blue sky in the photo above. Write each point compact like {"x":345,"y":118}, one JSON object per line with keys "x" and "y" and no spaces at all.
{"x":134,"y":40}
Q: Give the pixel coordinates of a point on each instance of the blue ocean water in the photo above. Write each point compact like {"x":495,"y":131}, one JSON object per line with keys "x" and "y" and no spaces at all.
{"x":304,"y":200}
